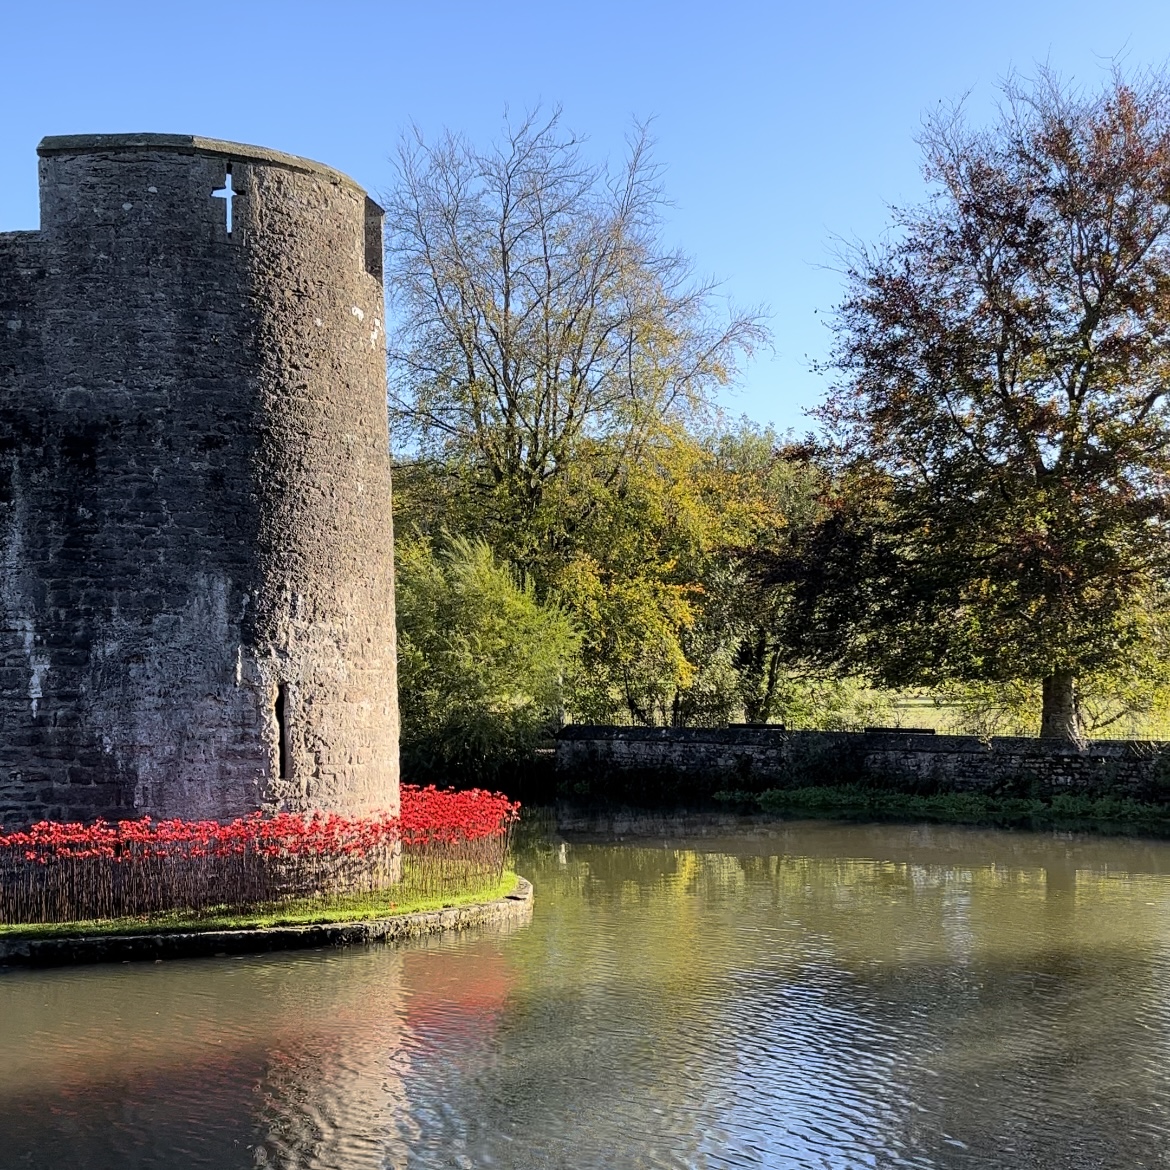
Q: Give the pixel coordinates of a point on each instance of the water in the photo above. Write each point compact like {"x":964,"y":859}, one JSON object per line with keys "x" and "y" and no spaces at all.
{"x":793,"y":995}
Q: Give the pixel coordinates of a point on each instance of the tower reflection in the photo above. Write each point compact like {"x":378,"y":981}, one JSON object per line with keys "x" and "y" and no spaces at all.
{"x":297,"y":1060}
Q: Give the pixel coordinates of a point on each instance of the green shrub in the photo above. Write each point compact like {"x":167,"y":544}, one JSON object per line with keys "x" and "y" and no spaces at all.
{"x":480,"y":663}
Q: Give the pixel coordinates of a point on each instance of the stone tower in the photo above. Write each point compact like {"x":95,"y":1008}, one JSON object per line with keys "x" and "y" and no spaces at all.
{"x":196,"y":553}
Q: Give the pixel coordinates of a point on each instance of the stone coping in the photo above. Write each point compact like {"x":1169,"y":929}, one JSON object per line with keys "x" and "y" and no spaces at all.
{"x":127,"y":948}
{"x":187,"y":144}
{"x":892,"y":740}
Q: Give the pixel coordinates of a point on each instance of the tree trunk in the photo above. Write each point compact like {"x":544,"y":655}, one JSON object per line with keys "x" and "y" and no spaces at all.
{"x":1060,"y":717}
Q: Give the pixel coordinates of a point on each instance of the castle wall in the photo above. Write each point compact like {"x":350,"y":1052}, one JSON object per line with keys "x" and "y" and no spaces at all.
{"x":196,"y":599}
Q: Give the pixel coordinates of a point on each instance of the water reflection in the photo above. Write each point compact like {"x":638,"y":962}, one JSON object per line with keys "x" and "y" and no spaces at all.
{"x":296,"y":1060}
{"x":784,"y":996}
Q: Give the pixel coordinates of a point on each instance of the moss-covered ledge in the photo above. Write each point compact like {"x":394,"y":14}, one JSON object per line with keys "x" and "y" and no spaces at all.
{"x":63,"y":950}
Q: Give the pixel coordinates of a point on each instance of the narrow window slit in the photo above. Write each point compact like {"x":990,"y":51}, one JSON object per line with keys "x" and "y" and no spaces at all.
{"x":280,"y":709}
{"x":227,"y":195}
{"x":373,"y":239}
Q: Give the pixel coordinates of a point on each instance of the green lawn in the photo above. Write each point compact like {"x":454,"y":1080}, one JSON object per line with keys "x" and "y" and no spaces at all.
{"x":923,"y":709}
{"x":308,"y":912}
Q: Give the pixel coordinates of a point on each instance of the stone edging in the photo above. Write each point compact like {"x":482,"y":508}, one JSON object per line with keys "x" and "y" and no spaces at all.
{"x":125,"y":948}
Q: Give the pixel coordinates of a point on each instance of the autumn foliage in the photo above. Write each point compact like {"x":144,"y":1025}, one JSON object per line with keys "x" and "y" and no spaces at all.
{"x":441,"y":841}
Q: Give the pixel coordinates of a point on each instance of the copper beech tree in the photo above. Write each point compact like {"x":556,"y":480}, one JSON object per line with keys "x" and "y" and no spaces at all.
{"x":1000,"y":410}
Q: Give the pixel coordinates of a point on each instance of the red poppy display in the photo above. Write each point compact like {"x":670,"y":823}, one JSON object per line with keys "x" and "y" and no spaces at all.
{"x":441,"y":840}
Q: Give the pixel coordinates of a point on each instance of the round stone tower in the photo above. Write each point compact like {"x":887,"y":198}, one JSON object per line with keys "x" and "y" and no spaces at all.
{"x":196,"y":583}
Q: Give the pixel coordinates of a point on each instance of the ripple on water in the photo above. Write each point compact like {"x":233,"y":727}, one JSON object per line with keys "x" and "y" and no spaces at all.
{"x":804,"y":996}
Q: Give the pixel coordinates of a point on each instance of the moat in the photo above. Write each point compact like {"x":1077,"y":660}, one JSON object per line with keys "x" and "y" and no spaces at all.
{"x":800,"y":994}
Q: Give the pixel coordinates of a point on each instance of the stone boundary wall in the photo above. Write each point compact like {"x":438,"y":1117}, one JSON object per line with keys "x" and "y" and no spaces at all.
{"x":758,"y":758}
{"x":516,"y":907}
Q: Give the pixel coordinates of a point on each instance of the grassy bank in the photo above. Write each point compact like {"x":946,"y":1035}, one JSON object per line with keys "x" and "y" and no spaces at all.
{"x":306,"y":912}
{"x":853,"y":801}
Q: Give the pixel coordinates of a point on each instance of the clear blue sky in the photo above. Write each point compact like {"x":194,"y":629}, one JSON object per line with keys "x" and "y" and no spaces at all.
{"x":781,"y":125}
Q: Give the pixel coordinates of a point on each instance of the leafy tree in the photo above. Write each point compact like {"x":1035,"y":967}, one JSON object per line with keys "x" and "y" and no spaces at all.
{"x":481,"y":661}
{"x":654,"y":564}
{"x":678,"y":626}
{"x":635,"y":581}
{"x":613,"y":565}
{"x":1001,"y":414}
{"x":765,"y":499}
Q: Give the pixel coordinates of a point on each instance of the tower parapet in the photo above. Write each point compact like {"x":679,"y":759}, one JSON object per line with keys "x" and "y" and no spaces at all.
{"x":196,"y":550}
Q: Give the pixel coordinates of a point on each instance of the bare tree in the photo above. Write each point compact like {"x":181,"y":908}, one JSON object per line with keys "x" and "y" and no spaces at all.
{"x":535,"y":306}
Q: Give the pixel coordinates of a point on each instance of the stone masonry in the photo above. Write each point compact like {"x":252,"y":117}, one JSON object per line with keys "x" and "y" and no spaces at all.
{"x":196,"y":551}
{"x":755,"y":758}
